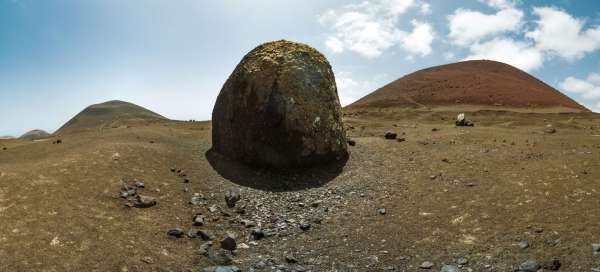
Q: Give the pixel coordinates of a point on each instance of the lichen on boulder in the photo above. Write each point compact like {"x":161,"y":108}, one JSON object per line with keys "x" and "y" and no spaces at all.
{"x":280,"y":108}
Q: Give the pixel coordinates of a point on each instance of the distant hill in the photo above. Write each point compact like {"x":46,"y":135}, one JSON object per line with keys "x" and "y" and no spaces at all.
{"x":6,"y":137}
{"x":35,"y":134}
{"x":108,"y":115}
{"x":479,"y":84}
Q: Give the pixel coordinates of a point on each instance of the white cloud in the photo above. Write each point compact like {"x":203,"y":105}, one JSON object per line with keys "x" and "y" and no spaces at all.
{"x":594,"y":78}
{"x":370,"y":28}
{"x":519,"y":54}
{"x":588,"y":88}
{"x":499,"y":4}
{"x":560,"y":33}
{"x":425,"y":8}
{"x":351,"y":89}
{"x":468,"y":26}
{"x":420,"y":39}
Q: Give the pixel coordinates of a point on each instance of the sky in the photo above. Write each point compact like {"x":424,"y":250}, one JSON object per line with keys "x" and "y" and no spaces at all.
{"x":59,"y":56}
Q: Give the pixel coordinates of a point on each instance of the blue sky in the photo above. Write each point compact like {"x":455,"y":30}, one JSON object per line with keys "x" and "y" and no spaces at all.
{"x":59,"y":56}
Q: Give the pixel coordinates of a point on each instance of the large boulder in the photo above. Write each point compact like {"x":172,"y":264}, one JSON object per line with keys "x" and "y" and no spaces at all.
{"x":280,"y":108}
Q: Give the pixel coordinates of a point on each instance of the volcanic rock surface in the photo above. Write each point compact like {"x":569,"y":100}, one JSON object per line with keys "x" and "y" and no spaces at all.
{"x":110,"y":114}
{"x":35,"y":134}
{"x":481,"y":84}
{"x":280,"y":108}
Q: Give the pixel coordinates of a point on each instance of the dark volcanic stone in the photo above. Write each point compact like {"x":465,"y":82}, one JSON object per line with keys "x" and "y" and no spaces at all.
{"x":175,"y":232}
{"x":228,"y":242}
{"x":390,"y":135}
{"x":552,"y":265}
{"x":280,"y":108}
{"x":258,"y":234}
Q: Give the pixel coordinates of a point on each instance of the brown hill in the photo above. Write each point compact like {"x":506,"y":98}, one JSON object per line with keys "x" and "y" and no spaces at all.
{"x":480,"y":83}
{"x":35,"y":134}
{"x":109,"y":114}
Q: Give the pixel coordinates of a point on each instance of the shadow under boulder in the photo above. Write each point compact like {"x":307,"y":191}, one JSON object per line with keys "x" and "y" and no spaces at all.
{"x":275,"y":180}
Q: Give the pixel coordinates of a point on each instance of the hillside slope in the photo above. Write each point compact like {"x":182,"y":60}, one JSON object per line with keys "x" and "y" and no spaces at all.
{"x":35,"y":135}
{"x":109,"y":114}
{"x":480,"y":83}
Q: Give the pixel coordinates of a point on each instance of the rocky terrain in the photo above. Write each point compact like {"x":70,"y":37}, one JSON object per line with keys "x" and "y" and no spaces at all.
{"x":515,"y":192}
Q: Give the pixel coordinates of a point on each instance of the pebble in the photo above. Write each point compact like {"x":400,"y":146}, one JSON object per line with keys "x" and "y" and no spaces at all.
{"x":426,"y":265}
{"x":142,"y":201}
{"x":523,"y":244}
{"x":248,"y":223}
{"x":291,"y":259}
{"x":231,"y":197}
{"x":529,"y":266}
{"x":449,"y":268}
{"x":222,"y":269}
{"x":197,"y":199}
{"x":198,"y":220}
{"x":258,"y":234}
{"x":390,"y":135}
{"x":305,"y":226}
{"x":228,"y":242}
{"x":462,"y":261}
{"x":552,"y":265}
{"x":177,"y":232}
{"x":596,"y":249}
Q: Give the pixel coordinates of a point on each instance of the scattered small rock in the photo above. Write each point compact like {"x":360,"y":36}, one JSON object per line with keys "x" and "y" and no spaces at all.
{"x":258,"y":234}
{"x":382,"y":211}
{"x":351,"y":142}
{"x":142,"y":201}
{"x":230,"y":268}
{"x":198,"y":220}
{"x":549,"y":129}
{"x":461,"y":121}
{"x":232,"y":196}
{"x":177,"y":232}
{"x":529,"y":266}
{"x":390,"y":135}
{"x":552,"y":265}
{"x":228,"y":242}
{"x":426,"y":265}
{"x":305,"y":226}
{"x":449,"y":268}
{"x":462,"y":261}
{"x":197,"y":199}
{"x":291,"y":259}
{"x":596,"y":249}
{"x":523,"y":244}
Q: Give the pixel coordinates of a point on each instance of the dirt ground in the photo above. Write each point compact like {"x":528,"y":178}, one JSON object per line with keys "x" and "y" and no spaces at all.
{"x":448,"y":193}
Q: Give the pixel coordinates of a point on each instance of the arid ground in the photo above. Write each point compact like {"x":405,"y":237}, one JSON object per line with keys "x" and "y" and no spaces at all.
{"x":497,"y":194}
